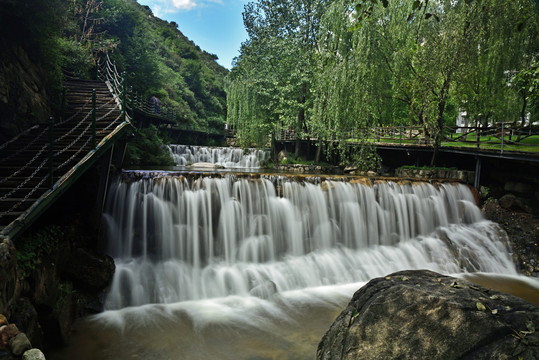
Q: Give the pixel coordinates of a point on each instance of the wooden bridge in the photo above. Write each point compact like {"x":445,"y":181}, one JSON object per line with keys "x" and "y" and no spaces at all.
{"x":41,"y":163}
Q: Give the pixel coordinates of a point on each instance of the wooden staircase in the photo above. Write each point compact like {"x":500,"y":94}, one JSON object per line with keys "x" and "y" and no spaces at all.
{"x":25,"y":160}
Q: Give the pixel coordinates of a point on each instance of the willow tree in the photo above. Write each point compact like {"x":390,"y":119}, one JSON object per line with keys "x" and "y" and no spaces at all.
{"x":345,"y":99}
{"x":506,"y":42}
{"x":274,"y":67}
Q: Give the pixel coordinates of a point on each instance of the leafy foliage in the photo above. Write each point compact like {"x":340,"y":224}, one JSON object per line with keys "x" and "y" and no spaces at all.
{"x":30,"y":247}
{"x":415,"y":62}
{"x":157,"y":57}
{"x":148,"y":149}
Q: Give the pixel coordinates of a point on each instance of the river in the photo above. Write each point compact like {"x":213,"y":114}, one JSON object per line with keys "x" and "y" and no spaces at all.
{"x":257,"y":266}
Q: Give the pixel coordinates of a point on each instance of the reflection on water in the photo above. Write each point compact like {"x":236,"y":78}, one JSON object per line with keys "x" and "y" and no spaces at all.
{"x":521,"y":286}
{"x":289,"y":326}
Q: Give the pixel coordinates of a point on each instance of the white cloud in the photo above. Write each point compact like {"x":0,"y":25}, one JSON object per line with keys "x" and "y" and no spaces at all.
{"x":161,"y":7}
{"x":184,"y":4}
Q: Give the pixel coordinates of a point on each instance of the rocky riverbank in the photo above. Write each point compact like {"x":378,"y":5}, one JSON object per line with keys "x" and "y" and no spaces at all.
{"x":425,"y":315}
{"x":522,"y":227}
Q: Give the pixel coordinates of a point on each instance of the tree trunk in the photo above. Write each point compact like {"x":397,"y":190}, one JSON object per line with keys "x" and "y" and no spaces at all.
{"x":301,"y":118}
{"x":318,"y":150}
{"x":522,"y":116}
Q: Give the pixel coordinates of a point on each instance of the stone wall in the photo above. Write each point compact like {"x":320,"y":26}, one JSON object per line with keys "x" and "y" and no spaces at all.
{"x":308,"y":169}
{"x":464,"y":176}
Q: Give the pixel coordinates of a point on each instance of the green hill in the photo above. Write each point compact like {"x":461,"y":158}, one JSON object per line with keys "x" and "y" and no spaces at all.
{"x":157,"y":58}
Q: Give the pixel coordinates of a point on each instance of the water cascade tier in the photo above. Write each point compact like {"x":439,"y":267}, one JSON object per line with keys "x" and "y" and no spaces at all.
{"x":227,"y":157}
{"x":178,"y":238}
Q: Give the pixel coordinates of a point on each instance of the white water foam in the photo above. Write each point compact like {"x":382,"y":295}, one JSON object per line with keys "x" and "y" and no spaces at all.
{"x":175,"y":240}
{"x":243,"y":269}
{"x":227,"y":157}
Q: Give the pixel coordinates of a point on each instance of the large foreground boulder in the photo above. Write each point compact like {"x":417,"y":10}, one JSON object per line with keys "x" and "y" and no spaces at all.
{"x":425,"y":315}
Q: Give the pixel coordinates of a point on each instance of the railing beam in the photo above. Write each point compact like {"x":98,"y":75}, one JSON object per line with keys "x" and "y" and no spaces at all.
{"x":124,"y":93}
{"x":93,"y":119}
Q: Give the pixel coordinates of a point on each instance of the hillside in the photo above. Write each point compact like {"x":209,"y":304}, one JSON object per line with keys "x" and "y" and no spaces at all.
{"x":158,"y":59}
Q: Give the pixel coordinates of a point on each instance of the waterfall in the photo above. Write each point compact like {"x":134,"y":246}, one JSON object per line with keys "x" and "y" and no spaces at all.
{"x":176,"y":238}
{"x":228,"y":157}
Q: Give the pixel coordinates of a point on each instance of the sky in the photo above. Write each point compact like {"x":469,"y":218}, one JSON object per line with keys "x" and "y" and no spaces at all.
{"x":216,"y":26}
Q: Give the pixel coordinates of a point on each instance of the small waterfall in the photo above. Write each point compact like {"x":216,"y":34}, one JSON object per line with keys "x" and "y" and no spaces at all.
{"x":176,"y":239}
{"x":228,"y":157}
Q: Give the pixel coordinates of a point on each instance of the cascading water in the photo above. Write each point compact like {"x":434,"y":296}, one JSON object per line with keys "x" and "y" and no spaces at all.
{"x":227,"y":157}
{"x":242,"y":268}
{"x":176,"y":239}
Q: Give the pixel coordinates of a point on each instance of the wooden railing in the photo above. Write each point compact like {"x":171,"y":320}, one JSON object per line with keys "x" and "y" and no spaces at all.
{"x":498,"y":137}
{"x":129,"y":98}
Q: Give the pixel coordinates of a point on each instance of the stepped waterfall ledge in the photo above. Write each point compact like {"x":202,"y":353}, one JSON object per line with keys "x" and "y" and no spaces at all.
{"x":176,"y":238}
{"x":227,"y":157}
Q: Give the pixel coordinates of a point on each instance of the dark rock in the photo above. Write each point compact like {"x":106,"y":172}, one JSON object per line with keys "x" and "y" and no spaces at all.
{"x":6,"y":333}
{"x":24,"y":315}
{"x":265,"y":290}
{"x":425,"y":315}
{"x":89,"y":269}
{"x":517,"y":187}
{"x":19,"y":344}
{"x":23,"y":99}
{"x":9,"y":286}
{"x":511,"y":202}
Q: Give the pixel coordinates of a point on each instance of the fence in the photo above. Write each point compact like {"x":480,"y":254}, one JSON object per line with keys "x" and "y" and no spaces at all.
{"x":497,"y":137}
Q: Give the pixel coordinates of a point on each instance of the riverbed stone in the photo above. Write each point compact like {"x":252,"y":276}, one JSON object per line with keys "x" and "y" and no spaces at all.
{"x":6,"y":333}
{"x":24,"y":315}
{"x":33,"y":354}
{"x":512,"y":202}
{"x":264,"y":290}
{"x":19,"y":344}
{"x":424,"y":315}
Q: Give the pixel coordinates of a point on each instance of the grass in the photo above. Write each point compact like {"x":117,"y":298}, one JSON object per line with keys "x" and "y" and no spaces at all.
{"x":491,"y":142}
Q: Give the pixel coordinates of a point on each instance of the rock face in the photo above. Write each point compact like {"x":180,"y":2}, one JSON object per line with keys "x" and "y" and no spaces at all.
{"x":9,"y":288}
{"x":23,"y":99}
{"x":89,"y":269}
{"x":523,"y":232}
{"x":425,"y":315}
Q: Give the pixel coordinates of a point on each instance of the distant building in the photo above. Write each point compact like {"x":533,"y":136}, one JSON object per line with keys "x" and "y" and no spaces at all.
{"x":462,"y":121}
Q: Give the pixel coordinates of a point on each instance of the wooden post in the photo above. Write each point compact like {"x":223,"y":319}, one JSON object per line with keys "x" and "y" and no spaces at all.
{"x":400,"y":135}
{"x":93,"y":118}
{"x":51,"y":152}
{"x":477,"y":179}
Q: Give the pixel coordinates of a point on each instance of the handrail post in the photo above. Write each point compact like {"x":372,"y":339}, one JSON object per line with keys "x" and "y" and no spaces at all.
{"x":124,"y":91}
{"x":64,"y":92}
{"x":503,"y":135}
{"x":93,"y":118}
{"x":477,"y":135}
{"x":51,"y":152}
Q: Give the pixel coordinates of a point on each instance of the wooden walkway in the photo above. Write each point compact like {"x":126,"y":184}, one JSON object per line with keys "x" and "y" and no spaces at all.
{"x":40,"y":164}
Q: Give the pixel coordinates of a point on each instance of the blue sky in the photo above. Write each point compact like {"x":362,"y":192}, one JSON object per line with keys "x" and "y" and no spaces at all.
{"x":214,"y":25}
